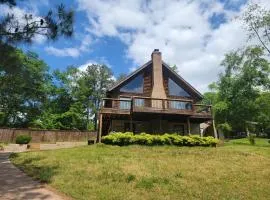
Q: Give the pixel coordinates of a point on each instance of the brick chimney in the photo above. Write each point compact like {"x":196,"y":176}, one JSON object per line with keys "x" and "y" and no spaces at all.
{"x":158,"y":90}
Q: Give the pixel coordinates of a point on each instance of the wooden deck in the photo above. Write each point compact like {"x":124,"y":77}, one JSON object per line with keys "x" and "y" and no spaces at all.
{"x":154,"y":105}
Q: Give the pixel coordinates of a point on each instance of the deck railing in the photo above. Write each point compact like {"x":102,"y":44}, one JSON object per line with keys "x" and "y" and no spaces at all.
{"x":123,"y":104}
{"x":155,"y":105}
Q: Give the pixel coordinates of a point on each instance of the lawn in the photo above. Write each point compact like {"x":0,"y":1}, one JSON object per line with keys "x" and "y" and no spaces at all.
{"x":233,"y":171}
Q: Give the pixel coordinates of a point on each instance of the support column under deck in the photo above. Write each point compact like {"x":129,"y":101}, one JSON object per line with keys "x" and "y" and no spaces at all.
{"x":100,"y":128}
{"x":188,"y":125}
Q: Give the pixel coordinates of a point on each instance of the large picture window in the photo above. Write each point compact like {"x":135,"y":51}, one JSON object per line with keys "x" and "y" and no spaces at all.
{"x":134,"y":86}
{"x":176,"y":90}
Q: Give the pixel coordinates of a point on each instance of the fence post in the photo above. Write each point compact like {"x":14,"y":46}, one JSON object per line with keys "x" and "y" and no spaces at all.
{"x":12,"y":137}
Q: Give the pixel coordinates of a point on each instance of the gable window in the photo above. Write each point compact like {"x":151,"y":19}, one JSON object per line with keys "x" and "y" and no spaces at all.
{"x":134,"y":86}
{"x":176,"y":90}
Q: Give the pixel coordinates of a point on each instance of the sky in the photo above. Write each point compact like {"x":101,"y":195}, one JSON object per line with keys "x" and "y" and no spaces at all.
{"x":194,"y":35}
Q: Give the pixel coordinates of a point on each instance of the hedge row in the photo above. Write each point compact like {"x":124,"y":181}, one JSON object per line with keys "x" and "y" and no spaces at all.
{"x":128,"y":138}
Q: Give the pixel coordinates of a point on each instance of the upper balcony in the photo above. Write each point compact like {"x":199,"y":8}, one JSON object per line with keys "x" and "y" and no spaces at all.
{"x":155,"y":105}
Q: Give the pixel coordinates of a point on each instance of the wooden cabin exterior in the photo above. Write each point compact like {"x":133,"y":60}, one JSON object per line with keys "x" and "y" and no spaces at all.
{"x":153,"y":99}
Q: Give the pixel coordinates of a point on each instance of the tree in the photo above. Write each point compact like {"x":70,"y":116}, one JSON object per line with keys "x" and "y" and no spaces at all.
{"x":257,"y":21}
{"x":99,"y":79}
{"x":121,"y":77}
{"x":52,"y":25}
{"x":64,"y":110}
{"x":76,"y":98}
{"x":24,"y":84}
{"x":246,"y":75}
{"x":263,"y":112}
{"x":174,"y":68}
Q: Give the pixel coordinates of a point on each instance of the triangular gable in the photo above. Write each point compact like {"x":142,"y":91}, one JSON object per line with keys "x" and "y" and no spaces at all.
{"x":177,"y":78}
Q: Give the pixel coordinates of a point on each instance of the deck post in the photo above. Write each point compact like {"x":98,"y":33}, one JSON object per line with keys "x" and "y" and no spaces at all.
{"x":100,"y":128}
{"x":130,"y":116}
{"x":188,"y":124}
{"x":163,"y":104}
{"x":130,"y":124}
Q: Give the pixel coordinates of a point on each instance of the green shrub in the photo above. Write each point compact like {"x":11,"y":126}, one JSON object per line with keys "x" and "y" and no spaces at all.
{"x":251,"y":138}
{"x":128,"y":138}
{"x":2,"y":145}
{"x":23,"y":139}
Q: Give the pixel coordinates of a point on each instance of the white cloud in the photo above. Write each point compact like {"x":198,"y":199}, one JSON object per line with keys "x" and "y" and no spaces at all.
{"x":180,"y":29}
{"x":64,"y":52}
{"x":71,"y":52}
{"x":100,"y":60}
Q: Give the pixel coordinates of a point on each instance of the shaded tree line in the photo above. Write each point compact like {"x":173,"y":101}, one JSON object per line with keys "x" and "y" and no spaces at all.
{"x":241,"y":96}
{"x":31,"y":96}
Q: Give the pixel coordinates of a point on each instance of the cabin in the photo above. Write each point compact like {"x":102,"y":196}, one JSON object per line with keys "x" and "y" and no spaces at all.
{"x":153,"y":99}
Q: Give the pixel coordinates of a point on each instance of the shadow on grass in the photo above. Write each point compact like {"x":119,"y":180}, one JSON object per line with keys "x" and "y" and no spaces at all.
{"x":32,"y":167}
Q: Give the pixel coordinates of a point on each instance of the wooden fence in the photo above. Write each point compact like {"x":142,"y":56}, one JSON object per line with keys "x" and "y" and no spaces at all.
{"x":46,"y":136}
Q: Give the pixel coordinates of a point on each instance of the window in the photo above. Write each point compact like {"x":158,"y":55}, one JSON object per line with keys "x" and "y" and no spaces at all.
{"x":176,"y":90}
{"x":180,"y":105}
{"x":125,"y":104}
{"x":139,"y":102}
{"x":134,"y":86}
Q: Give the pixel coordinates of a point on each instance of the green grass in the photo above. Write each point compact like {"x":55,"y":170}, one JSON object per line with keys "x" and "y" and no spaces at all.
{"x":233,"y":171}
{"x":261,"y":142}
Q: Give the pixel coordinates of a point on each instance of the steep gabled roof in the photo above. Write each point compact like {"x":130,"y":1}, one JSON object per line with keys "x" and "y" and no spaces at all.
{"x":126,"y":79}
